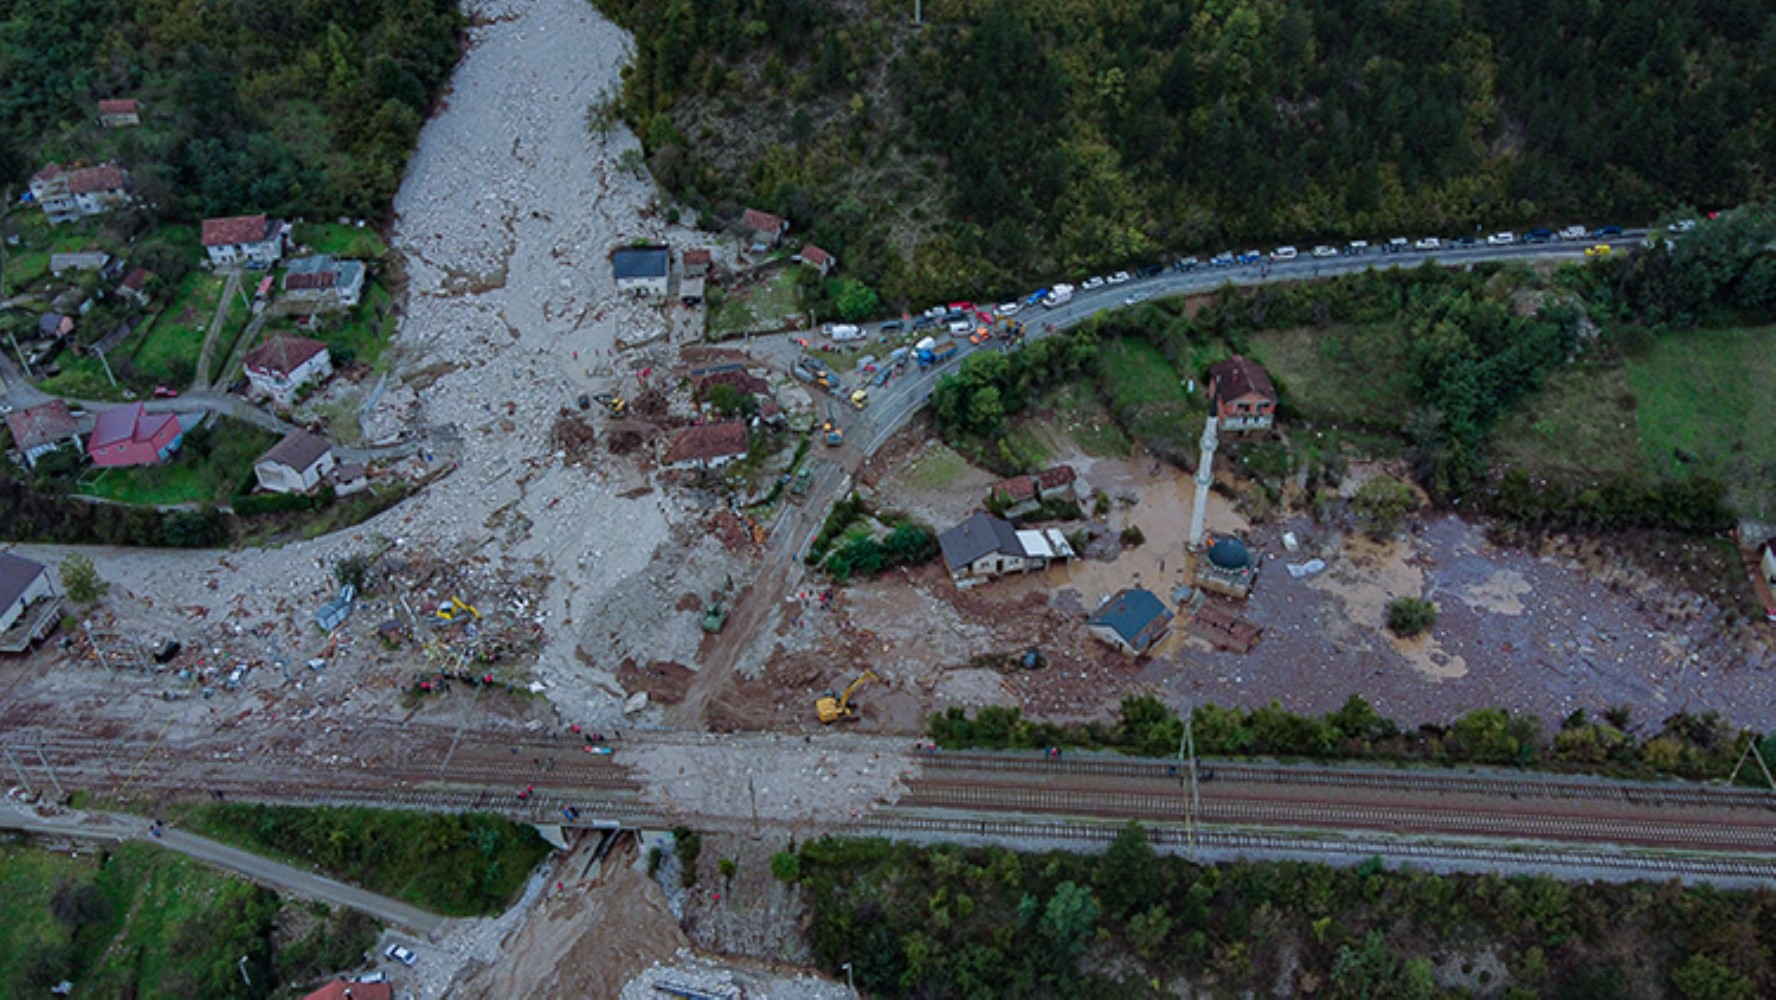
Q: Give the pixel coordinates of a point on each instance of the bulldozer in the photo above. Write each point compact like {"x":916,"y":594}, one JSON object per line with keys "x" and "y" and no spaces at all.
{"x":613,"y":403}
{"x":835,"y":706}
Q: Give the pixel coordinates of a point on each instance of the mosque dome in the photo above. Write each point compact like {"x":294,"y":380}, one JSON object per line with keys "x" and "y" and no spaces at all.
{"x":1229,"y":553}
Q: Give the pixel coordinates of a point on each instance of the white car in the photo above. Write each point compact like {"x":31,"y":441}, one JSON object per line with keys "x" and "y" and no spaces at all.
{"x":1357,"y":248}
{"x":936,"y":312}
{"x":1285,"y":253}
{"x":1428,"y":243}
{"x":1683,"y":225}
{"x":401,"y":954}
{"x":1324,"y":251}
{"x":1008,"y":308}
{"x":960,"y":326}
{"x":1573,"y":233}
{"x":1092,"y":283}
{"x":1119,"y":277}
{"x":378,"y":976}
{"x":1501,"y":239}
{"x":1397,"y":245}
{"x":1134,"y":298}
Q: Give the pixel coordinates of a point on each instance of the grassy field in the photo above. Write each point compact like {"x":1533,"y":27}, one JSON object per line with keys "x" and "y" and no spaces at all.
{"x":1580,"y":427}
{"x":456,"y":864}
{"x":1081,"y":415}
{"x":938,"y":469}
{"x":1340,"y":374}
{"x":1148,"y":397}
{"x":170,"y":346}
{"x":764,"y":303}
{"x":150,"y":924}
{"x":341,"y":241}
{"x":1706,"y":403}
{"x":365,"y":334}
{"x":207,"y":468}
{"x":81,"y":378}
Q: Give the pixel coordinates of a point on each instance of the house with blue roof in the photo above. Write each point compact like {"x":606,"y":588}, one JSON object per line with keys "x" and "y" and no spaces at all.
{"x":1134,"y":621}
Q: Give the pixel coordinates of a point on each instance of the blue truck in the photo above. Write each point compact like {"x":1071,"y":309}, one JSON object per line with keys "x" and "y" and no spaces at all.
{"x":935,"y":352}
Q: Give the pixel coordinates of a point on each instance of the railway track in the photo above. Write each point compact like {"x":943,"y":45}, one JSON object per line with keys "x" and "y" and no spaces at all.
{"x":1171,"y":806}
{"x":893,"y":824}
{"x":1415,"y":781}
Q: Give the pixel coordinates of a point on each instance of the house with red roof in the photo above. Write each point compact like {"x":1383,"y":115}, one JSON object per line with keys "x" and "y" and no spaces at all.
{"x":709,"y":446}
{"x":135,"y":286}
{"x":130,"y":435}
{"x":1242,"y":396}
{"x":38,"y":430}
{"x":120,"y":113}
{"x":818,"y":259}
{"x":243,"y":239}
{"x":341,"y":990}
{"x":66,"y":195}
{"x":763,"y":230}
{"x":280,"y":367}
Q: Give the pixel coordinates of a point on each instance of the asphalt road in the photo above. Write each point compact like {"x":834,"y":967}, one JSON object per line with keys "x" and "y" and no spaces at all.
{"x":894,"y":404}
{"x":119,"y":827}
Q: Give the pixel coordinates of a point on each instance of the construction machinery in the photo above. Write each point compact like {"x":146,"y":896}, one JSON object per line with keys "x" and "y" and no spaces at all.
{"x":449,"y":612}
{"x":834,"y":436}
{"x":612,"y":403}
{"x":834,"y":706}
{"x":798,"y":485}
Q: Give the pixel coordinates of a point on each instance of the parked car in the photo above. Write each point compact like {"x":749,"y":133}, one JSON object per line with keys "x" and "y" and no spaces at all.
{"x":378,"y":976}
{"x":1324,"y":251}
{"x":165,"y":392}
{"x":1357,"y":248}
{"x":960,"y":326}
{"x":1464,"y":241}
{"x":1397,"y":245}
{"x":1603,"y":231}
{"x":961,"y":306}
{"x":1119,"y":277}
{"x":1600,"y":250}
{"x":1573,"y":233}
{"x":1134,"y":298}
{"x":1539,"y":236}
{"x":1009,"y":308}
{"x":936,"y":312}
{"x":1222,"y":259}
{"x":1428,"y":243}
{"x":1501,"y":239}
{"x":1151,"y":270}
{"x":1091,"y":284}
{"x":1185,"y":264}
{"x":401,"y":954}
{"x":1285,"y":253}
{"x":1250,"y":257}
{"x":924,"y":322}
{"x":1683,"y":225}
{"x":893,"y":326}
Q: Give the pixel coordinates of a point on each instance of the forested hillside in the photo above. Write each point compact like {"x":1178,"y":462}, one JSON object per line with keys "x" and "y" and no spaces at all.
{"x":1011,"y":141}
{"x":308,"y":106}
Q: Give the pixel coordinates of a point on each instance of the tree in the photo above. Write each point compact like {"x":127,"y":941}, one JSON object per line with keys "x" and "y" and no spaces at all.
{"x":81,"y":580}
{"x":1069,"y":916}
{"x":1127,"y":878}
{"x":78,"y":904}
{"x":786,"y":866}
{"x":1410,"y":616}
{"x":1381,"y":504}
{"x":856,"y":300}
{"x":353,"y":571}
{"x":1701,"y":978}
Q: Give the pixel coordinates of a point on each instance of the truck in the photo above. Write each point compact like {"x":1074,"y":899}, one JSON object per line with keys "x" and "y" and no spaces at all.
{"x":937,"y":353}
{"x":1060,"y":296}
{"x":834,"y":435}
{"x":840,"y":332}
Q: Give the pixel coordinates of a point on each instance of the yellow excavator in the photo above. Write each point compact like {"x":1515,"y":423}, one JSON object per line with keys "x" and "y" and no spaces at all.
{"x":834,"y":707}
{"x":612,"y":402}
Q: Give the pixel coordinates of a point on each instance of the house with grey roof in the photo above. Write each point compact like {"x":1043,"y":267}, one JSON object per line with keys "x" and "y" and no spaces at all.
{"x":29,"y":606}
{"x":1134,"y":621}
{"x":320,"y":283}
{"x":91,"y":260}
{"x":643,"y":272}
{"x":984,"y":547}
{"x":296,"y":464}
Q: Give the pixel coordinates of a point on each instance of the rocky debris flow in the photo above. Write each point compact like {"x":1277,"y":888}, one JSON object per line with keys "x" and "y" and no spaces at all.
{"x":693,"y":973}
{"x":790,"y":781}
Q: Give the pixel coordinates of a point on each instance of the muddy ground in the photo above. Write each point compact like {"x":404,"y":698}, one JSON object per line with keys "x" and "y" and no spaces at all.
{"x":1651,"y":622}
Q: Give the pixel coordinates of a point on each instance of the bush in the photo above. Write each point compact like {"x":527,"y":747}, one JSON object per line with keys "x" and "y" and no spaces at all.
{"x":688,"y":845}
{"x":1381,"y":504}
{"x":786,"y":866}
{"x":81,"y":581}
{"x":1410,"y":616}
{"x":1132,"y":536}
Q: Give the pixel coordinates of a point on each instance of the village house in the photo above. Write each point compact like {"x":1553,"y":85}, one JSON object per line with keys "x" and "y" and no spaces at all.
{"x":696,"y":273}
{"x":61,"y":263}
{"x":250,"y":240}
{"x":705,"y":379}
{"x":763,"y":230}
{"x":1014,"y":497}
{"x":1767,"y":567}
{"x":41,"y":429}
{"x":130,"y":435}
{"x":135,"y":286}
{"x":29,"y":607}
{"x":296,"y":464}
{"x":66,"y":195}
{"x":1134,"y":621}
{"x":1059,"y":484}
{"x":337,"y":990}
{"x":707,"y":446}
{"x":120,"y":113}
{"x":984,"y":547}
{"x":321,"y":283}
{"x":1243,"y":398}
{"x":280,"y":367}
{"x":818,"y":259}
{"x":643,"y":272}
{"x":54,"y":325}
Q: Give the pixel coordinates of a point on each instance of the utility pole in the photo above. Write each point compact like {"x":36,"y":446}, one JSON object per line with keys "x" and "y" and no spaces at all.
{"x":16,"y":352}
{"x":19,"y":769}
{"x":1752,"y":751}
{"x":1187,"y":765}
{"x":107,"y":365}
{"x":61,"y":796}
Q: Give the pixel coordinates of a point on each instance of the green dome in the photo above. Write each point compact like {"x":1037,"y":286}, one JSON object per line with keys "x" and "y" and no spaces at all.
{"x":1229,"y":553}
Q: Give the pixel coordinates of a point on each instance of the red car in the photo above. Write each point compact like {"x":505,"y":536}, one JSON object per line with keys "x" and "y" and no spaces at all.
{"x":961,"y":306}
{"x":162,"y":392}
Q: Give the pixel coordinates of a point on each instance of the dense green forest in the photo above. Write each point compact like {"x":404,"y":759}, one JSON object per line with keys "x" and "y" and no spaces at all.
{"x":950,"y":921}
{"x":1008,"y":143}
{"x":304,"y":107}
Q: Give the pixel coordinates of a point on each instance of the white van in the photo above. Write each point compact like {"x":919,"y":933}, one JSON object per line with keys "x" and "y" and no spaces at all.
{"x":961,"y":327}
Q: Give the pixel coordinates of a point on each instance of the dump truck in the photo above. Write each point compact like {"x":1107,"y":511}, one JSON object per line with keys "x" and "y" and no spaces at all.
{"x":834,"y":436}
{"x":938,"y":353}
{"x":835,"y":706}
